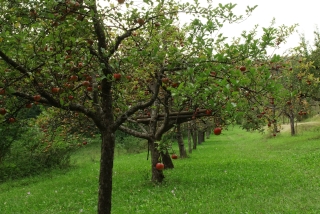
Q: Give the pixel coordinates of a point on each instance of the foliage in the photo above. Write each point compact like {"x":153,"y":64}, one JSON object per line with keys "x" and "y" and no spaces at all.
{"x":9,"y":134}
{"x":129,"y":143}
{"x":31,"y":154}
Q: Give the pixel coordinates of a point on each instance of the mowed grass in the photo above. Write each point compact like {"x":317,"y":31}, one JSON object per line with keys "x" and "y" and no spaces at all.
{"x":236,"y":172}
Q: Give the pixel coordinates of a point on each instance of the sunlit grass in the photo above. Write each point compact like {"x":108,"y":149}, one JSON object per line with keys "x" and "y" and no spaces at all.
{"x":236,"y":172}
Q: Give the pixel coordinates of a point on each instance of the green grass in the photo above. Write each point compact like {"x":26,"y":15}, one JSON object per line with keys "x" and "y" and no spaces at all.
{"x":236,"y":172}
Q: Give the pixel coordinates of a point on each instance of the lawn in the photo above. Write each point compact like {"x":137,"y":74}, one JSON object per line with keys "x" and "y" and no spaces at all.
{"x":236,"y":172}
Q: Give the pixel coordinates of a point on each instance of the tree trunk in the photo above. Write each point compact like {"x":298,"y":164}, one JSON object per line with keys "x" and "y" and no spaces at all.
{"x":200,"y":137}
{"x":293,"y":131}
{"x":208,"y":132}
{"x":107,"y":151}
{"x":189,"y":138}
{"x":194,"y":135}
{"x":105,"y":177}
{"x":166,"y":160}
{"x":275,"y":127}
{"x":182,"y":150}
{"x":157,"y":175}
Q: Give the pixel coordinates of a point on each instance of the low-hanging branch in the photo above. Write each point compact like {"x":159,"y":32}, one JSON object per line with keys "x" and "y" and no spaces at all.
{"x":175,"y":114}
{"x":184,"y":116}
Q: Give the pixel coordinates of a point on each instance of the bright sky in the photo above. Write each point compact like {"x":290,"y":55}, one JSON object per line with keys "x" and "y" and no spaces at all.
{"x":305,"y":13}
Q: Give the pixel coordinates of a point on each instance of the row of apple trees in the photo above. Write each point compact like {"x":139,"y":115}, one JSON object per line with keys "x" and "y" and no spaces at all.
{"x":102,"y":67}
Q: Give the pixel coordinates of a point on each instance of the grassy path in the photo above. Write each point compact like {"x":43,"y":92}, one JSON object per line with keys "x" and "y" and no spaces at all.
{"x":236,"y":172}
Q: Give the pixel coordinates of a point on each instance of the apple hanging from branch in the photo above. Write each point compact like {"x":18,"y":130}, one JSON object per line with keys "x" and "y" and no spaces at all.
{"x":159,"y":166}
{"x":217,"y":131}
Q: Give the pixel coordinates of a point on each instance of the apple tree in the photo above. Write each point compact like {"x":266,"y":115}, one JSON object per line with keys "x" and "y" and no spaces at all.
{"x":237,"y":80}
{"x":307,"y":67}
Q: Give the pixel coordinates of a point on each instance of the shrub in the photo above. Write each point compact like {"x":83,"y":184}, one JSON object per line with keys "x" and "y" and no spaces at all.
{"x":31,"y":154}
{"x":130,"y":143}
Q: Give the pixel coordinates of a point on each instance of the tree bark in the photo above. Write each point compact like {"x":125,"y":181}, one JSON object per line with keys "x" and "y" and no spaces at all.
{"x":166,"y":160}
{"x":189,"y":138}
{"x":182,"y":150}
{"x":200,"y":137}
{"x":208,"y":132}
{"x":106,"y":166}
{"x":292,"y":125}
{"x":194,"y":135}
{"x":157,"y":175}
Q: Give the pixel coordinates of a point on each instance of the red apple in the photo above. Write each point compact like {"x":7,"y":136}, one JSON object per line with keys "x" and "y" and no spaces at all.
{"x":55,"y":90}
{"x":165,"y":79}
{"x":73,"y":78}
{"x":208,"y":112}
{"x":89,"y":89}
{"x":3,"y":111}
{"x":2,"y":91}
{"x":217,"y":131}
{"x":28,"y":105}
{"x":37,"y":97}
{"x":70,"y":97}
{"x":175,"y":85}
{"x":117,"y":76}
{"x":213,"y":74}
{"x":85,"y":143}
{"x":86,"y":83}
{"x":159,"y":166}
{"x":89,"y":78}
{"x":11,"y":120}
{"x":243,"y":68}
{"x":140,"y":21}
{"x":174,"y":156}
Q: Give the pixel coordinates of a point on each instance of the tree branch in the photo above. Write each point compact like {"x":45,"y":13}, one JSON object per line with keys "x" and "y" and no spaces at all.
{"x":135,"y":133}
{"x":14,"y":64}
